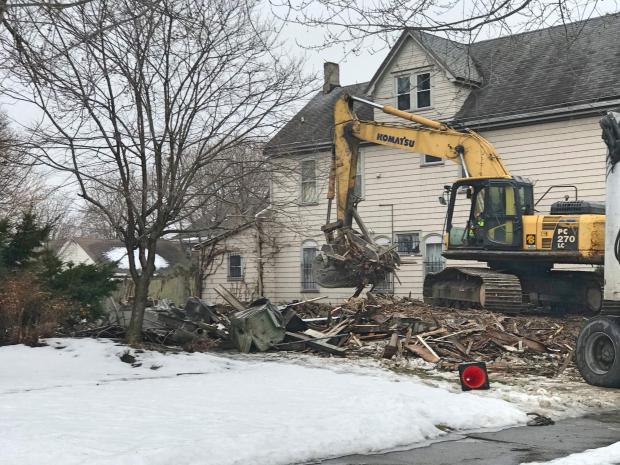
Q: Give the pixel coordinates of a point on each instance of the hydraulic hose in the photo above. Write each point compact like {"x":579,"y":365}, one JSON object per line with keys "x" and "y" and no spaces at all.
{"x":617,"y":247}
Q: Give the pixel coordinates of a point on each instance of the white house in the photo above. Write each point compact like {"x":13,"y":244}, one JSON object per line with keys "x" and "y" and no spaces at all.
{"x":172,"y":280}
{"x":536,"y":96}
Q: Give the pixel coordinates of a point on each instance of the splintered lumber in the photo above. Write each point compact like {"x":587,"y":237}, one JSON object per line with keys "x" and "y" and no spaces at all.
{"x":390,"y":350}
{"x":421,"y":339}
{"x":512,"y":339}
{"x":367,"y":329}
{"x":230,"y":298}
{"x":423,"y":353}
{"x":316,"y":344}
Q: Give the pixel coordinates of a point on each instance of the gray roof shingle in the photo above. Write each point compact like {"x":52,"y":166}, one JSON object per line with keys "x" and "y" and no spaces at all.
{"x":549,"y":68}
{"x":552,"y":68}
{"x":311,"y":128}
{"x":451,"y":55}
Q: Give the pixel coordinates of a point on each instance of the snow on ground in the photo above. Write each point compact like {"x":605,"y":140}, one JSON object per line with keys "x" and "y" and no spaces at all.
{"x":609,"y":455}
{"x":565,"y":396}
{"x":75,"y":402}
{"x":119,"y":254}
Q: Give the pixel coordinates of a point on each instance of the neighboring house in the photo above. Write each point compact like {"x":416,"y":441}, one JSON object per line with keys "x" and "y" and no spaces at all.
{"x":237,"y":260}
{"x":172,"y":278}
{"x":536,"y":96}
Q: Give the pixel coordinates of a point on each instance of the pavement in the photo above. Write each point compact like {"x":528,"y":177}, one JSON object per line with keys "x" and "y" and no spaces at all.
{"x":511,"y":446}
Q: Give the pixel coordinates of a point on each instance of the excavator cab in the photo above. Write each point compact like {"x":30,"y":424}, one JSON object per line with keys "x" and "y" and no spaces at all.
{"x":487,"y":213}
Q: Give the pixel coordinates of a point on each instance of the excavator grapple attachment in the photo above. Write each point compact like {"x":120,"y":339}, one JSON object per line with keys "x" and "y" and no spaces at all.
{"x":353,"y":261}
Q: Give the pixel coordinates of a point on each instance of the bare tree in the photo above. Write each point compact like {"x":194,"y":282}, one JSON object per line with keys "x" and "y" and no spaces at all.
{"x":352,"y":23}
{"x":138,"y":111}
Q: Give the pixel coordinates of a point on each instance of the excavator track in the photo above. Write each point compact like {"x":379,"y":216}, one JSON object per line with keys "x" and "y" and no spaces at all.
{"x":554,"y":291}
{"x":475,"y":287}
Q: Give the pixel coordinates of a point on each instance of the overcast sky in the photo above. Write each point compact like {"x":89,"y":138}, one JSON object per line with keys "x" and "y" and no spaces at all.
{"x":354,"y":67}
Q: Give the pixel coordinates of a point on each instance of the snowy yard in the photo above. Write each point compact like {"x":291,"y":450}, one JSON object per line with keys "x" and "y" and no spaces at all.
{"x":75,"y":402}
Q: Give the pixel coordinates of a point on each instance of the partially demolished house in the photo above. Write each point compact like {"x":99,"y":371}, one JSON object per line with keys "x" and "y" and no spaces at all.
{"x":536,"y":96}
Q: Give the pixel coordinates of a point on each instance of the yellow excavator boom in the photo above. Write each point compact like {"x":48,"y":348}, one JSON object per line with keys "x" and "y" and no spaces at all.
{"x":467,"y":148}
{"x":351,"y":258}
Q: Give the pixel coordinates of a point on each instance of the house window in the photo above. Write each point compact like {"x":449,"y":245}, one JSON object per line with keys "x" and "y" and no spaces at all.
{"x":386,"y":285}
{"x":423,"y":90}
{"x":308,"y":253}
{"x":431,"y":160}
{"x":433,"y":261}
{"x":403,"y":92}
{"x":408,"y":243}
{"x":308,"y":182}
{"x":235,"y":271}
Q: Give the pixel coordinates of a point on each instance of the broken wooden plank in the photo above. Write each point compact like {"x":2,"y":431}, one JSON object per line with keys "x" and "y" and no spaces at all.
{"x":441,"y":330}
{"x":423,"y":353}
{"x":306,"y":301}
{"x":230,"y":298}
{"x":374,"y":337}
{"x":317,"y":344}
{"x":390,"y":350}
{"x":430,"y":349}
{"x":368,"y":328}
{"x":508,"y":338}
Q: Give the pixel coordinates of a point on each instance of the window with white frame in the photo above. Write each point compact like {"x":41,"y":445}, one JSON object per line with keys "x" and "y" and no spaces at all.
{"x":431,"y":160}
{"x":386,"y":285}
{"x":235,"y":267}
{"x":413,"y":91}
{"x":308,"y":181}
{"x":408,"y":243}
{"x":433,"y":261}
{"x":423,"y":90}
{"x":403,"y":92}
{"x":308,"y":253}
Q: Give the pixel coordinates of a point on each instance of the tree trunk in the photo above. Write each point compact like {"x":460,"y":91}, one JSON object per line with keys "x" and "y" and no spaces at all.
{"x":134,"y":332}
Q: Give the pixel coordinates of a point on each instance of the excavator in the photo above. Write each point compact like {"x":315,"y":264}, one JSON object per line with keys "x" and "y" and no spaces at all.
{"x":491,"y":218}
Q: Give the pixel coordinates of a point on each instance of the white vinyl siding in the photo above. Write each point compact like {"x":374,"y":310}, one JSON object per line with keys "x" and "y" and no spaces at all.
{"x":446,"y":97}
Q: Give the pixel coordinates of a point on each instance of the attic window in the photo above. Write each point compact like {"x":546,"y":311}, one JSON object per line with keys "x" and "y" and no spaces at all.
{"x":423,"y":90}
{"x":403,"y":92}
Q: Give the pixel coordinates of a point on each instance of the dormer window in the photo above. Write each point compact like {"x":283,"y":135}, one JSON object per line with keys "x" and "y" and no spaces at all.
{"x":403,"y":92}
{"x":417,"y":96}
{"x":423,"y":90}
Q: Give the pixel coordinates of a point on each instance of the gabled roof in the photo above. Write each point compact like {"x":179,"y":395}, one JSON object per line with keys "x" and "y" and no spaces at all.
{"x":561,"y":66}
{"x":97,"y":249}
{"x":311,"y":129}
{"x":452,"y":56}
{"x":553,"y":73}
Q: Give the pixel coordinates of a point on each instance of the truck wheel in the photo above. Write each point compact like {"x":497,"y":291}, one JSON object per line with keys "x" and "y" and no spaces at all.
{"x":598,"y":352}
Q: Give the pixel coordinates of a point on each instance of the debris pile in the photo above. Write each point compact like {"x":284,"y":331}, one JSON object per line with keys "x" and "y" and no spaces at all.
{"x":375,"y":326}
{"x":514,"y":343}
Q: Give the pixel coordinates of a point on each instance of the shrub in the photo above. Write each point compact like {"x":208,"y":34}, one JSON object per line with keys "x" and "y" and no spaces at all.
{"x":28,"y":311}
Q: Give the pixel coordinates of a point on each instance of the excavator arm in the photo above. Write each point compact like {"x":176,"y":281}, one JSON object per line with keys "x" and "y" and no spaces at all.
{"x":351,"y":258}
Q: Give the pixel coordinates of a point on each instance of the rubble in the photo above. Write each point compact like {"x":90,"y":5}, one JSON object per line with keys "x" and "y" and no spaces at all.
{"x":377,"y":326}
